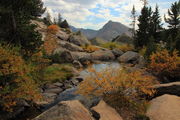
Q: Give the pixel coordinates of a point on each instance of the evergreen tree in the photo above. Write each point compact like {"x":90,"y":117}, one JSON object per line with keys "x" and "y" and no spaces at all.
{"x":59,"y":19}
{"x":156,"y":25}
{"x":174,"y":22}
{"x":151,"y":47}
{"x":15,"y":22}
{"x":64,"y":24}
{"x":174,"y":16}
{"x":133,"y":24}
{"x":177,"y":39}
{"x":144,"y":25}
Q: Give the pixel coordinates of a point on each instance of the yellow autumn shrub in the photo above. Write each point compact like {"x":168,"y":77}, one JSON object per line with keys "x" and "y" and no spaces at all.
{"x":118,"y":87}
{"x":165,"y":64}
{"x":105,"y":82}
{"x":50,"y":43}
{"x":15,"y":80}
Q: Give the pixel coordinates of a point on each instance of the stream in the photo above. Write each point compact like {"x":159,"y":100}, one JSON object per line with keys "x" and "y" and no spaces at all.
{"x":70,"y":94}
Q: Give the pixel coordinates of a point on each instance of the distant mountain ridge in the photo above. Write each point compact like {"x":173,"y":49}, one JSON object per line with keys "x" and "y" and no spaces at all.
{"x":109,"y":31}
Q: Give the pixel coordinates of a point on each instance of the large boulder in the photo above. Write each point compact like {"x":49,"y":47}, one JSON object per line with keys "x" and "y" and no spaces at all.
{"x":77,"y":64}
{"x":79,"y":40}
{"x":129,"y":57}
{"x":66,"y":56}
{"x":106,"y":112}
{"x":169,"y":88}
{"x":69,"y":56}
{"x":68,"y":110}
{"x":102,"y":55}
{"x":69,"y":46}
{"x":41,"y":28}
{"x":166,"y":107}
{"x":61,"y":35}
{"x":83,"y":57}
{"x":117,"y":52}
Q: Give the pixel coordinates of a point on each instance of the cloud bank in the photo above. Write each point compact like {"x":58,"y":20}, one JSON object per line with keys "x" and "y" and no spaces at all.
{"x":94,"y":14}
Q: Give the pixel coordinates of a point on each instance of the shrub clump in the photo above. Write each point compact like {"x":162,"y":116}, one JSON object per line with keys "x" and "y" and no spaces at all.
{"x":165,"y":65}
{"x":119,"y":88}
{"x":53,"y":29}
{"x":16,"y":82}
{"x":50,"y":41}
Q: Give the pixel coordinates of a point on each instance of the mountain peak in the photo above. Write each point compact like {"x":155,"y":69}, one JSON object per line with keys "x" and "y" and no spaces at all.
{"x":109,"y":31}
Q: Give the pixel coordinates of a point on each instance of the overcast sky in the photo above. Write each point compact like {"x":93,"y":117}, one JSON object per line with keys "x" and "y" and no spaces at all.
{"x":94,"y":14}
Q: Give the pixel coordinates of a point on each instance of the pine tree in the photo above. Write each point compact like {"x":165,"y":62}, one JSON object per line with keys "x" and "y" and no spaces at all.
{"x":174,"y":15}
{"x":59,"y":19}
{"x":64,"y":24}
{"x":156,"y":25}
{"x":177,"y":39}
{"x":151,"y":47}
{"x":133,"y":24}
{"x":144,"y":26}
{"x":15,"y":22}
{"x":174,"y":22}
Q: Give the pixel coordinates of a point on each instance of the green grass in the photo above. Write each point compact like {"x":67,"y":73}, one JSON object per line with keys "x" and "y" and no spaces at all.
{"x":56,"y":72}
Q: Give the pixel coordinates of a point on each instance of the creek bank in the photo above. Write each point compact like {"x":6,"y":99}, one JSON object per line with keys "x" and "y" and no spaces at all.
{"x":59,"y":91}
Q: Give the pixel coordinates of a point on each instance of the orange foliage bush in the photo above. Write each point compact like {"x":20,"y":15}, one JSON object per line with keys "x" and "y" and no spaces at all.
{"x":105,"y":82}
{"x":39,"y":61}
{"x":53,"y":29}
{"x":15,"y":81}
{"x":118,"y":87}
{"x":162,"y":63}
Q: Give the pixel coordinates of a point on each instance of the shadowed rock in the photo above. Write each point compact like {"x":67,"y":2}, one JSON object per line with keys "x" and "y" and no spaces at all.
{"x":68,"y":110}
{"x":169,"y":88}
